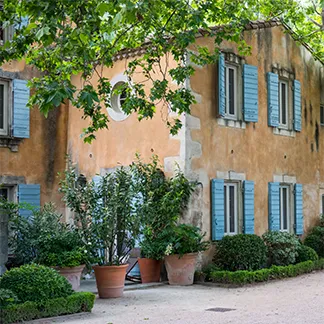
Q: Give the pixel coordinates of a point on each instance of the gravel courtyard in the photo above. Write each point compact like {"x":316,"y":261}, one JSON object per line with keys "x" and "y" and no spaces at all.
{"x":299,"y":300}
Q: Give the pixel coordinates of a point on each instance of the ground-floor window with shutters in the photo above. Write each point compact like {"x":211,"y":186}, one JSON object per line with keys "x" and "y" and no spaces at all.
{"x":230,"y":208}
{"x":286,"y":207}
{"x":284,"y":201}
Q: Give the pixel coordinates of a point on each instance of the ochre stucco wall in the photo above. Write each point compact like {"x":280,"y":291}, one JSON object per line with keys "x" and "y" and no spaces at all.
{"x":256,"y":151}
{"x":118,"y":144}
{"x":42,"y":156}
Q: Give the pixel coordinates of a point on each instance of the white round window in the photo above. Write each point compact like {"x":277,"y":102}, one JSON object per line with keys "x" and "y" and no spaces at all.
{"x":117,"y":99}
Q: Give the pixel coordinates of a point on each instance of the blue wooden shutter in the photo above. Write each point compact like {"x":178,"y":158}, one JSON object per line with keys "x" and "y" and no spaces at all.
{"x":29,"y":194}
{"x":22,"y":23}
{"x":299,"y":218}
{"x":250,"y":93}
{"x":221,"y":85}
{"x":273,"y":99}
{"x":248,"y":207}
{"x":274,"y":206}
{"x":297,"y":106}
{"x":218,"y":212}
{"x":20,"y":110}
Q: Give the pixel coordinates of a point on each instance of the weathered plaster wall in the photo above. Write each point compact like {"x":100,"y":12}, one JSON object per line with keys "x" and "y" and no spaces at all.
{"x":256,"y":151}
{"x":118,"y":144}
{"x":40,"y":157}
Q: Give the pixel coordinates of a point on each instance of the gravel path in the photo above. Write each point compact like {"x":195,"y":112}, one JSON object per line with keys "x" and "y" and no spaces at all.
{"x":296,"y":301}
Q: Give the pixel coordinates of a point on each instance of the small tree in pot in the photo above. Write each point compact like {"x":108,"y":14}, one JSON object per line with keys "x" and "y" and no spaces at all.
{"x":185,"y":241}
{"x":162,"y":202}
{"x":105,"y":212}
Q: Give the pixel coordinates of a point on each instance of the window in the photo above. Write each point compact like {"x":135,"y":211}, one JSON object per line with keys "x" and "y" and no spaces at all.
{"x":283,"y":103}
{"x":231,"y":91}
{"x":4,"y":193}
{"x":4,"y":108}
{"x":322,"y":115}
{"x":230,"y":208}
{"x":322,"y":209}
{"x":284,"y":199}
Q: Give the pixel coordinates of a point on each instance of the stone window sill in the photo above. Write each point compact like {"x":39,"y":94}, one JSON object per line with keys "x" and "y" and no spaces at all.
{"x":10,"y":142}
{"x":231,"y":123}
{"x":284,"y":132}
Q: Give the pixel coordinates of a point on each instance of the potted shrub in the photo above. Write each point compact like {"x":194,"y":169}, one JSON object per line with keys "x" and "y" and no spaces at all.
{"x":65,"y":253}
{"x":185,"y":241}
{"x":105,"y":212}
{"x":162,"y":202}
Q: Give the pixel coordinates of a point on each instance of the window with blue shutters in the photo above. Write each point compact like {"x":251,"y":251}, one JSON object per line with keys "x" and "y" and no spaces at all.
{"x":232,"y":208}
{"x":28,"y":194}
{"x":5,"y":111}
{"x":21,"y":112}
{"x":237,"y":89}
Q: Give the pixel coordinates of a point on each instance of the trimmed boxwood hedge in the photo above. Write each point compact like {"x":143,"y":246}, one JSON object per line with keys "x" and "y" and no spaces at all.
{"x":75,"y":303}
{"x":275,"y":272}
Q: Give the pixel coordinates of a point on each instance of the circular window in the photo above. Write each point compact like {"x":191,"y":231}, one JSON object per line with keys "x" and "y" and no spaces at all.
{"x":118,"y":96}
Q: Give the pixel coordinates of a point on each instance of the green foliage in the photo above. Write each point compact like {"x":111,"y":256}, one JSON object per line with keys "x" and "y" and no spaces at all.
{"x":183,"y":238}
{"x":35,"y":283}
{"x":72,"y":258}
{"x":282,"y":247}
{"x":240,"y":252}
{"x":96,"y":32}
{"x":315,"y":240}
{"x":7,"y":297}
{"x":28,"y":232}
{"x":306,"y":253}
{"x":163,"y":200}
{"x":243,"y":277}
{"x":75,"y":303}
{"x":106,"y":214}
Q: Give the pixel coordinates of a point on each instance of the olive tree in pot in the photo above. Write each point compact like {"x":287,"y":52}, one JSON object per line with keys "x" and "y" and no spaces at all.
{"x":162,"y":202}
{"x":105,"y":212}
{"x":185,"y":241}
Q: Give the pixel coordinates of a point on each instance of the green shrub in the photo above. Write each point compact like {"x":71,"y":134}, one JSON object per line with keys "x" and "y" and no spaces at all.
{"x":63,"y":259}
{"x":208,"y":269}
{"x":75,"y":303}
{"x":315,"y":240}
{"x":275,"y":272}
{"x":306,"y":253}
{"x":282,"y":247}
{"x":35,"y":283}
{"x":7,"y":297}
{"x":240,"y":252}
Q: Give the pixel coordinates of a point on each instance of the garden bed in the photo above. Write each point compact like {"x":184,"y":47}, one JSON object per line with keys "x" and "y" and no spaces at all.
{"x":75,"y":303}
{"x":241,"y":278}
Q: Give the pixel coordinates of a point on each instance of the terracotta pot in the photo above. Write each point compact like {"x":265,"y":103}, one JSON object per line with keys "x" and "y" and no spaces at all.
{"x":150,"y":269}
{"x":110,"y":280}
{"x":181,"y":271}
{"x":72,"y":274}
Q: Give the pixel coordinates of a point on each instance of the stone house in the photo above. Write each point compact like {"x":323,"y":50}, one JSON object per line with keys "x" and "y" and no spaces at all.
{"x":252,"y":141}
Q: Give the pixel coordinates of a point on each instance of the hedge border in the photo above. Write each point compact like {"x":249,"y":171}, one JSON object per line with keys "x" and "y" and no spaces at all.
{"x":242,"y":277}
{"x":76,"y":303}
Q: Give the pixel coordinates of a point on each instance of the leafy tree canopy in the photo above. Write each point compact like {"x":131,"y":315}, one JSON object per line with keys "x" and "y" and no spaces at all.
{"x":63,"y":38}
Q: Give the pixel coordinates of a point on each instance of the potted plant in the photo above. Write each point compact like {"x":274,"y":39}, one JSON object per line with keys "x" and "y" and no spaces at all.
{"x":162,"y":201}
{"x":105,"y":212}
{"x":65,"y":253}
{"x":185,"y":241}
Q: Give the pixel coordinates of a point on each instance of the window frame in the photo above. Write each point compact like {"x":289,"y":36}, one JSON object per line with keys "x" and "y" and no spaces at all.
{"x":235,"y":68}
{"x":287,"y":104}
{"x":227,"y":209}
{"x":6,"y":108}
{"x":288,"y":206}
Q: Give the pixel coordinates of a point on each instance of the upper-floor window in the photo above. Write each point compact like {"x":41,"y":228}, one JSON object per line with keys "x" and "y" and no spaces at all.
{"x":231,"y":104}
{"x":283,"y":103}
{"x":5,"y":108}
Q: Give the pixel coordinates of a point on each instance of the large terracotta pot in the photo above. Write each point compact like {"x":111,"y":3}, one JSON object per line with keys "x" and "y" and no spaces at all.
{"x":73,"y":275}
{"x":150,"y":269}
{"x":110,"y":280}
{"x":181,"y":270}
